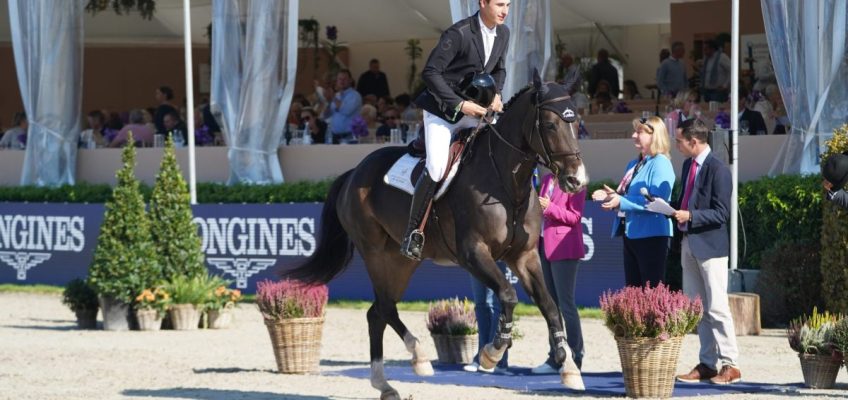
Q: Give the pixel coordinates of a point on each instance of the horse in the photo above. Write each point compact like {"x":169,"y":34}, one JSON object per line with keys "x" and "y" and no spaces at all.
{"x":490,"y":212}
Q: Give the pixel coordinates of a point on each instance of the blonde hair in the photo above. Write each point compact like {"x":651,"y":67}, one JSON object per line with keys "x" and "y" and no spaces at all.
{"x":660,"y":143}
{"x":679,"y":100}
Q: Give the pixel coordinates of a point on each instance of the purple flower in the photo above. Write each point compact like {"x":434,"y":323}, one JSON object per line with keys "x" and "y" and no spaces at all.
{"x":722,"y":119}
{"x":202,"y":136}
{"x":636,"y":312}
{"x":290,"y":299}
{"x":332,"y":32}
{"x":621,"y":108}
{"x":22,"y":138}
{"x":109,"y":134}
{"x":358,"y":126}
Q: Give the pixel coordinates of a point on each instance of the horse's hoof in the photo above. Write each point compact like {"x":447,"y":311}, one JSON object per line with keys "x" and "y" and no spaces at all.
{"x":573,"y":381}
{"x":489,"y":356}
{"x":422,"y":368}
{"x":390,"y":395}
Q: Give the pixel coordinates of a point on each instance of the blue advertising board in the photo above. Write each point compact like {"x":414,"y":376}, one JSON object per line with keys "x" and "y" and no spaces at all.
{"x":51,"y":243}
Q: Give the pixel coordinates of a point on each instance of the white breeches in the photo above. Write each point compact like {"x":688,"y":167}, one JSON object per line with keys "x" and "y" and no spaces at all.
{"x":437,"y":136}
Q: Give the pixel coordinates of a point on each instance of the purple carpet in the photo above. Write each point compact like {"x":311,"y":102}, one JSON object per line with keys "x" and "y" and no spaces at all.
{"x":520,"y":379}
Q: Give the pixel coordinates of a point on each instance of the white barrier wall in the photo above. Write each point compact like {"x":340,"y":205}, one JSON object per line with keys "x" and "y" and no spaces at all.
{"x":605,"y":159}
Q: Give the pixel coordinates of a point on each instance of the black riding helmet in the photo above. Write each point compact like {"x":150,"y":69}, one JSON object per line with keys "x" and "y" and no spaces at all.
{"x":479,"y":88}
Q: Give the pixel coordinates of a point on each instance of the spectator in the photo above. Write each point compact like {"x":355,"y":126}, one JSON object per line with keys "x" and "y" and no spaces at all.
{"x":703,"y":212}
{"x":604,"y":70}
{"x":373,"y":81}
{"x":685,"y":106}
{"x":405,"y":108}
{"x":560,"y":251}
{"x":317,"y":128}
{"x":631,"y":91}
{"x":602,"y":103}
{"x":15,"y":137}
{"x":175,"y":126}
{"x":646,"y":235}
{"x":602,"y":87}
{"x":835,"y":174}
{"x":715,"y":73}
{"x":94,"y":134}
{"x":343,"y":108}
{"x":671,"y":76}
{"x":751,"y":119}
{"x":141,"y":133}
{"x":570,"y":74}
{"x":148,"y":117}
{"x":390,"y":121}
{"x":369,"y":114}
{"x":164,"y":96}
{"x":382,"y":104}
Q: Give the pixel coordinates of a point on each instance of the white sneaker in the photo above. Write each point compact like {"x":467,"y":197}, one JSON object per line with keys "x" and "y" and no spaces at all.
{"x":486,"y":370}
{"x":471,"y":367}
{"x":544,"y":369}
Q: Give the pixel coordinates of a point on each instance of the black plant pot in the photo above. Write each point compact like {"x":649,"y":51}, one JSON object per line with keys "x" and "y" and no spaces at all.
{"x":87,"y":319}
{"x":116,"y":314}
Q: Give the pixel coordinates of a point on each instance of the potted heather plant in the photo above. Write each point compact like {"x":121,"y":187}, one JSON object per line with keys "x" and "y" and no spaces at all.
{"x":453,"y":326}
{"x":812,"y":336}
{"x":649,"y":325}
{"x":82,"y":300}
{"x":220,"y":304}
{"x":150,"y":308}
{"x":294,"y":315}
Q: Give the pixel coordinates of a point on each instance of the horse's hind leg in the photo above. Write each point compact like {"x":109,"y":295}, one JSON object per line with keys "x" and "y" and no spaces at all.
{"x":529,"y":271}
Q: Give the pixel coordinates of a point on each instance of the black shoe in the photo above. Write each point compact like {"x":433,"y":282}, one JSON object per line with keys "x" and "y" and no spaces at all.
{"x":413,"y":239}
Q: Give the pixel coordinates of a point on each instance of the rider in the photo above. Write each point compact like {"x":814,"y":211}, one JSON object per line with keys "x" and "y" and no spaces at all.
{"x":474,"y":45}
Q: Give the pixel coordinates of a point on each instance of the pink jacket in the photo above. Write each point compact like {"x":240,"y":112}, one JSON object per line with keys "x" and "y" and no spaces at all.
{"x":561,"y":222}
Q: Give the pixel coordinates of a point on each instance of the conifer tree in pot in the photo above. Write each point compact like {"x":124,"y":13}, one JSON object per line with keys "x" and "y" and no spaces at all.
{"x":834,"y":238}
{"x":178,"y":248}
{"x":125,"y":260}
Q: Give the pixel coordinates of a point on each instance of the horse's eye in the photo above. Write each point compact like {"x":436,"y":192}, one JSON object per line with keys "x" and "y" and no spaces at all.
{"x":550,"y":126}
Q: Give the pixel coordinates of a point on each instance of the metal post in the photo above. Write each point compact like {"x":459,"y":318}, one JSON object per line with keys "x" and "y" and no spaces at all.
{"x":734,"y":134}
{"x":192,"y":176}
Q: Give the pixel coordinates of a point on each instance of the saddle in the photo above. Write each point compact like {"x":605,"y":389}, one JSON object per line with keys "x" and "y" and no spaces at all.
{"x":405,"y":171}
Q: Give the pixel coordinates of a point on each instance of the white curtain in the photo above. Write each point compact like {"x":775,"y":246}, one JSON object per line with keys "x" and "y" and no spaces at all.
{"x":47,"y":40}
{"x":529,"y":48}
{"x":807,"y":44}
{"x":254,"y":60}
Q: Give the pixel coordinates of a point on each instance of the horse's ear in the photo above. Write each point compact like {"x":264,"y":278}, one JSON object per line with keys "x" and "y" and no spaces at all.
{"x":537,"y":80}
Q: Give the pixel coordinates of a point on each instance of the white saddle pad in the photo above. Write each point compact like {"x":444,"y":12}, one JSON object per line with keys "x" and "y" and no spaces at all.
{"x":400,"y":175}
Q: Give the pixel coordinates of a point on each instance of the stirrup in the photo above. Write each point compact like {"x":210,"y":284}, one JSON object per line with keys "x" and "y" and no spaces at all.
{"x":413,"y":245}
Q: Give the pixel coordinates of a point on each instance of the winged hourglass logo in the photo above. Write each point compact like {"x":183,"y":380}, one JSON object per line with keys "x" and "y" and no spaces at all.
{"x":21,"y":261}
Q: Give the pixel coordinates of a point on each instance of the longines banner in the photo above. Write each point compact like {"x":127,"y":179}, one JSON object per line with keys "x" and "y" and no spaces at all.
{"x":52,"y":243}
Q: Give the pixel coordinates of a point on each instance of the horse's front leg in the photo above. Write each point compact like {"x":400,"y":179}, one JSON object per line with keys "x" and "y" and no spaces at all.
{"x":529,"y":271}
{"x":479,"y":262}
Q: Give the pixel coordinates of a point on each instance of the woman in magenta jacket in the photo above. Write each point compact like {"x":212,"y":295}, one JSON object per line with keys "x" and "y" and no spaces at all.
{"x":560,"y":250}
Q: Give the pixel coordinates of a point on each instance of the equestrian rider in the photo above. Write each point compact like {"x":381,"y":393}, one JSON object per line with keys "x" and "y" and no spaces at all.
{"x":474,"y":45}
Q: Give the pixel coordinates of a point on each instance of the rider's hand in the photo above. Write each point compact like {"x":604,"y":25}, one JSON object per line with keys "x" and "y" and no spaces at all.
{"x":472,"y":109}
{"x":497,"y":105}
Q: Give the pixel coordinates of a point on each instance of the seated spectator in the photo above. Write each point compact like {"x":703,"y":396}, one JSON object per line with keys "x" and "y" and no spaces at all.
{"x":317,"y":128}
{"x":94,"y":133}
{"x":631,"y":91}
{"x":405,"y":108}
{"x":369,"y":114}
{"x":141,"y":133}
{"x":203,"y":135}
{"x":602,"y":87}
{"x":148,"y":117}
{"x":294,"y":113}
{"x":175,"y":126}
{"x":390,"y":121}
{"x":382,"y":104}
{"x":370,"y":99}
{"x":684,"y":106}
{"x":753,"y":119}
{"x":164,"y":96}
{"x":602,"y":103}
{"x":15,"y":137}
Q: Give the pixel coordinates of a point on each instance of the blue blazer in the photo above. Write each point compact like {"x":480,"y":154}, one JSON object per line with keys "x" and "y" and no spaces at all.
{"x":657,"y":174}
{"x":709,"y":204}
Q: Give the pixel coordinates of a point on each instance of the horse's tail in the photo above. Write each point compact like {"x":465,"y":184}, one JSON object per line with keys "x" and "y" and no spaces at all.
{"x":334,"y":249}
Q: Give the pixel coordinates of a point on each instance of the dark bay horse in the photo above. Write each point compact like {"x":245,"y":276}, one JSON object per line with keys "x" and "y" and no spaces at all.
{"x":490,"y":213}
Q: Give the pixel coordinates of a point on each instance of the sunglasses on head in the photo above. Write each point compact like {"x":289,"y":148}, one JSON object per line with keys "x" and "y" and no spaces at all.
{"x":644,"y":121}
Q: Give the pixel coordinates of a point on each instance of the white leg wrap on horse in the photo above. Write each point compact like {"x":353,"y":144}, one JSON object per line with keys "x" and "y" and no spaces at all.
{"x":378,"y":377}
{"x":570,"y":375}
{"x":490,"y":356}
{"x":420,"y":360}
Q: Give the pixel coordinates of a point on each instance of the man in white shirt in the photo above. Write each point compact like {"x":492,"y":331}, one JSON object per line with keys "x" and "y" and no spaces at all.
{"x":715,"y":73}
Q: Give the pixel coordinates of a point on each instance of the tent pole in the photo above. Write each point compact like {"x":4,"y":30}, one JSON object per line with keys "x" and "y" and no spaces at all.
{"x":192,"y":176}
{"x":734,"y":133}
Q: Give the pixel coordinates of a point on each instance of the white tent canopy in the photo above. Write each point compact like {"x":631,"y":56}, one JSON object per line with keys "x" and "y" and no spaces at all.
{"x":360,"y":20}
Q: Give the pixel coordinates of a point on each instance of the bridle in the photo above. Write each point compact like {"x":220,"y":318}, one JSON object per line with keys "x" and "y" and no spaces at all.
{"x":547,"y":156}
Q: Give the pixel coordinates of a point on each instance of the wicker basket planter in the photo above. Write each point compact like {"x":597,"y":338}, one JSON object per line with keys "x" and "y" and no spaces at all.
{"x":220,"y":319}
{"x":184,"y":317}
{"x":819,"y":370}
{"x":148,"y":320}
{"x":649,"y":365}
{"x":296,"y":343}
{"x":455,"y":349}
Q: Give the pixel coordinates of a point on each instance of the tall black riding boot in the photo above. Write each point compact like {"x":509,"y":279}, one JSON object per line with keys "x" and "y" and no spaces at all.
{"x":413,"y":240}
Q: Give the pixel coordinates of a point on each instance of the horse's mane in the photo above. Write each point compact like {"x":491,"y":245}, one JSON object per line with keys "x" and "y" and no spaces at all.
{"x":516,"y":96}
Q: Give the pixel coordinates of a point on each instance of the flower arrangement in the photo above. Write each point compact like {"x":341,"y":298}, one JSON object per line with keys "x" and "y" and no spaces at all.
{"x":722,"y":119}
{"x":223,"y":298}
{"x":646,"y":312}
{"x":334,"y":47}
{"x":453,"y":317}
{"x":79,"y":296}
{"x":813,"y":334}
{"x":621,"y":108}
{"x":358,"y":126}
{"x":156,"y":299}
{"x":290,"y":299}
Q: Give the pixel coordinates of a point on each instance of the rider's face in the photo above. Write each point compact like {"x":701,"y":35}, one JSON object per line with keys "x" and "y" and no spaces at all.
{"x":494,"y":11}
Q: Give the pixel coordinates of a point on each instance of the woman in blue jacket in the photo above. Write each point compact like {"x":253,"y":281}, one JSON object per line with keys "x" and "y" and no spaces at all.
{"x":647,"y":235}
